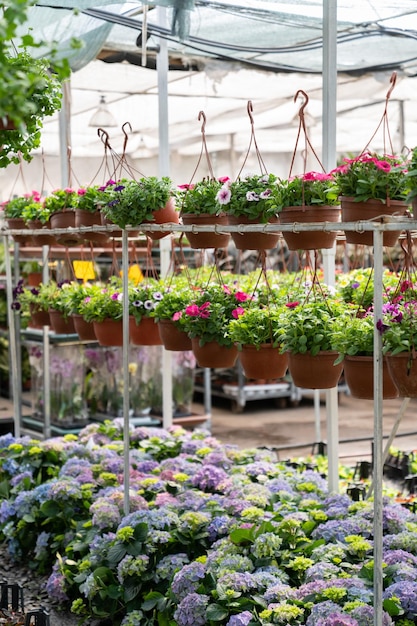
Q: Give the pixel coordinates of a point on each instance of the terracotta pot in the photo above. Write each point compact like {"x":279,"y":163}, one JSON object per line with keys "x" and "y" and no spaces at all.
{"x":61,"y":325}
{"x":253,"y":241}
{"x":34,"y":279}
{"x":84,"y":329}
{"x":86,"y":218}
{"x":403,"y":370}
{"x":166,"y":215}
{"x":213,"y":354}
{"x":38,"y":317}
{"x":315,"y":372}
{"x":109,"y":332}
{"x":359,"y":376}
{"x":309,"y":240}
{"x":65,"y":220}
{"x":144,"y":333}
{"x":172,"y":337}
{"x":264,"y":362}
{"x":106,"y":222}
{"x":371,"y":209}
{"x":18,"y":223}
{"x":206,"y":239}
{"x":42,"y":239}
{"x":7,"y":124}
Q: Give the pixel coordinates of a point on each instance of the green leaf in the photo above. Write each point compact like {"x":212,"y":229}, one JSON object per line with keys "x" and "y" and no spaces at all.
{"x":216,"y":613}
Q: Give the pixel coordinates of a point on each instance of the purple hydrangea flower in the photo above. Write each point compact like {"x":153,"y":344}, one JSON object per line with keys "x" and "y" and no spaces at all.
{"x":191,"y":611}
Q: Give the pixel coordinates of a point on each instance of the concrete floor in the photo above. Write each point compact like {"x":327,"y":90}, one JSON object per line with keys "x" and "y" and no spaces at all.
{"x":295,"y":431}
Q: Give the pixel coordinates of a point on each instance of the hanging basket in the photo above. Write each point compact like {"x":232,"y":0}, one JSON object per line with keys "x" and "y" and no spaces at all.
{"x":172,"y":337}
{"x":263,"y":362}
{"x":60,"y":324}
{"x":315,"y":372}
{"x":309,"y":240}
{"x":359,"y":376}
{"x":38,"y":317}
{"x":403,"y":370}
{"x":145,"y":332}
{"x":84,"y":329}
{"x":370,"y":210}
{"x":213,"y":355}
{"x":109,"y":332}
{"x":86,"y":218}
{"x":42,"y":239}
{"x":166,"y":215}
{"x":18,"y":223}
{"x":206,"y":239}
{"x":251,"y":240}
{"x":65,"y":220}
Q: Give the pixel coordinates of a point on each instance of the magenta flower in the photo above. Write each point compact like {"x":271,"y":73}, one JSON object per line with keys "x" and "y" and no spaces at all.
{"x":238,"y":312}
{"x":193,"y":310}
{"x":241,"y":296}
{"x":177,"y":315}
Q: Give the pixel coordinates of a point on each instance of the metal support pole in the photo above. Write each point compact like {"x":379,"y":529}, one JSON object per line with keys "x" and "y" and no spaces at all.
{"x":46,"y":383}
{"x":125,"y":352}
{"x":14,"y":342}
{"x":378,"y":432}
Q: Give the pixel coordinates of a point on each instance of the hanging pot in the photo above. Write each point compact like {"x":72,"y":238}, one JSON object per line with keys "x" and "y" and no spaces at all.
{"x":38,"y":317}
{"x":65,"y":220}
{"x":309,"y":240}
{"x":206,"y":239}
{"x":18,"y":223}
{"x":60,"y":324}
{"x":173,"y":338}
{"x":403,"y":370}
{"x":145,"y":332}
{"x":315,"y":372}
{"x":370,"y":210}
{"x":84,"y":329}
{"x":166,"y":215}
{"x":87,"y":218}
{"x":34,"y":279}
{"x":213,"y":355}
{"x":109,"y":332}
{"x":265,"y":361}
{"x":253,"y":241}
{"x":42,"y":239}
{"x":359,"y":377}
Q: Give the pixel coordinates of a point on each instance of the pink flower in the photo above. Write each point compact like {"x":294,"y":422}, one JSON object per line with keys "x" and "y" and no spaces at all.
{"x":223,"y":195}
{"x":317,"y":176}
{"x":241,"y":296}
{"x":82,"y":192}
{"x":192,"y":310}
{"x":226,"y":290}
{"x":224,"y":179}
{"x":177,"y":315}
{"x":238,"y":312}
{"x":204,"y":310}
{"x":292,"y":305}
{"x":186,"y":186}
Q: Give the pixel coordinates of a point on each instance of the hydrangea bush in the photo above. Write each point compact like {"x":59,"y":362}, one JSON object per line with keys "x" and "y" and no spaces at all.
{"x":214,"y":534}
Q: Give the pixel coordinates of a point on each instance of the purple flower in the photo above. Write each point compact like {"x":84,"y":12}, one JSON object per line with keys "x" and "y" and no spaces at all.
{"x":210,"y":478}
{"x":223,"y":195}
{"x":406,"y":592}
{"x":241,"y":619}
{"x":251,"y":196}
{"x":191,"y":611}
{"x":187,"y":580}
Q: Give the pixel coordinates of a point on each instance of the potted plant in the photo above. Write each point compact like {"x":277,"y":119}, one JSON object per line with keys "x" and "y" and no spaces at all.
{"x":147,"y":200}
{"x":372,"y":185}
{"x":313,"y":197}
{"x":14,"y":213}
{"x":307,"y":337}
{"x":103,"y":306}
{"x":59,"y":306}
{"x":399,"y":340}
{"x":247,"y":201}
{"x":75,"y":294}
{"x":61,"y":204}
{"x":90,"y":200}
{"x":198,"y":204}
{"x":206,"y":320}
{"x":411,"y":179}
{"x":143,"y":299}
{"x":168,"y":312}
{"x":257,"y":335}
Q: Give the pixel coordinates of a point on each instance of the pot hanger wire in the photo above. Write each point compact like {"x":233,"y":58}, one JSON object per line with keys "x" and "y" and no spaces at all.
{"x":253,"y":142}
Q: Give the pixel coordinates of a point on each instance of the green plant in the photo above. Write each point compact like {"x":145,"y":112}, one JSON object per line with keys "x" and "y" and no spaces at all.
{"x":103,"y":301}
{"x":23,"y":297}
{"x":201,"y":197}
{"x":311,"y":189}
{"x":30,"y":267}
{"x":256,"y":326}
{"x":177,"y":295}
{"x":93,"y":198}
{"x":144,"y":298}
{"x":399,"y":327}
{"x":372,"y":176}
{"x":131,"y":202}
{"x":411,"y":176}
{"x":353,"y":336}
{"x":212,"y":308}
{"x":18,"y":206}
{"x":357,"y":286}
{"x":60,"y":200}
{"x":308,"y":326}
{"x":57,"y":294}
{"x":36,"y":211}
{"x":249,"y":197}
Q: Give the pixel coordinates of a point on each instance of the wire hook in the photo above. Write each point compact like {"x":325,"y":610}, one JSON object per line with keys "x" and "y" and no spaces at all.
{"x":250,"y":111}
{"x":203,"y":126}
{"x":392,"y":81}
{"x":126,"y":135}
{"x":304,"y":104}
{"x":104,"y":136}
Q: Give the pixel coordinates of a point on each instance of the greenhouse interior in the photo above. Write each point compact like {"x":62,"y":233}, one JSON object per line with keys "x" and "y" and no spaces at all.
{"x":208,"y":320}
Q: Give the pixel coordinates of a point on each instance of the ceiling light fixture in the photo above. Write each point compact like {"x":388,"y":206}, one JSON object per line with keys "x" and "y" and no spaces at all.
{"x":102,"y":117}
